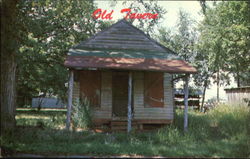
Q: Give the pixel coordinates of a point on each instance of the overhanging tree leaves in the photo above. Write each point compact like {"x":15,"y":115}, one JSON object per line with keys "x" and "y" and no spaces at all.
{"x":236,"y":42}
{"x":50,"y":29}
{"x":225,"y":35}
{"x":183,"y":41}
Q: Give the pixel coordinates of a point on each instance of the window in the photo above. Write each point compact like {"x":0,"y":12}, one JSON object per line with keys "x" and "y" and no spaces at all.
{"x":153,"y":89}
{"x":90,"y":86}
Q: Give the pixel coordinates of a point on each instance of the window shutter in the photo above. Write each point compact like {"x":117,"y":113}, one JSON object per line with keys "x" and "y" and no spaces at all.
{"x":90,"y":86}
{"x":153,"y":89}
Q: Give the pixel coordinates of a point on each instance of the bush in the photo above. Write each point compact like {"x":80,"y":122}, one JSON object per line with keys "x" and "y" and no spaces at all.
{"x":82,"y":114}
{"x":230,"y":120}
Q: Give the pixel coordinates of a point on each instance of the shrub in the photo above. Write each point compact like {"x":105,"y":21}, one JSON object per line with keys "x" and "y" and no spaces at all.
{"x":82,"y":114}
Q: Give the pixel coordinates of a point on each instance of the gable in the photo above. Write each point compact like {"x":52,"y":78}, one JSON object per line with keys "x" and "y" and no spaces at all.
{"x":122,"y":35}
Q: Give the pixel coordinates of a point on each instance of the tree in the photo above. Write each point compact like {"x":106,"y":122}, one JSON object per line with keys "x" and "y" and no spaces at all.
{"x":186,"y":42}
{"x":224,"y":33}
{"x":50,"y":29}
{"x":202,"y":78}
{"x":186,"y":37}
{"x":9,"y":48}
{"x":235,"y":19}
{"x":183,"y":40}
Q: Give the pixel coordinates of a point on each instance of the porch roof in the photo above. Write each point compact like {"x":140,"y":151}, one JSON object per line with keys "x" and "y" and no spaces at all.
{"x":146,"y":64}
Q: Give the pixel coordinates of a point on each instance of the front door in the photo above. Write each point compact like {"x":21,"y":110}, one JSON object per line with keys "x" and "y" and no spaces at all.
{"x":120,"y":93}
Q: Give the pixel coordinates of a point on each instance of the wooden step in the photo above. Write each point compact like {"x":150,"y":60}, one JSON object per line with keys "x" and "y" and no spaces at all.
{"x":122,"y":123}
{"x":119,"y":128}
{"x":123,"y":126}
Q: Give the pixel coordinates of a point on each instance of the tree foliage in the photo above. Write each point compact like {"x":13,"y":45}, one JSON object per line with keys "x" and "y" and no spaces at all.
{"x":49,"y":29}
{"x":183,"y":40}
{"x":225,"y":37}
{"x":220,"y":45}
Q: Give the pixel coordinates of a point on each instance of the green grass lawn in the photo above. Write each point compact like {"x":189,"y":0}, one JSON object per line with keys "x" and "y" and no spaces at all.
{"x":222,"y":132}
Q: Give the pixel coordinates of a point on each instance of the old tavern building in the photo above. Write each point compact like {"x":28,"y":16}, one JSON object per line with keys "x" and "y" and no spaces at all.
{"x":126,"y":76}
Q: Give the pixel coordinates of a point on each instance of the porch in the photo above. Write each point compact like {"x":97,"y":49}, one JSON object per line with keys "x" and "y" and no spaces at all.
{"x":107,"y":90}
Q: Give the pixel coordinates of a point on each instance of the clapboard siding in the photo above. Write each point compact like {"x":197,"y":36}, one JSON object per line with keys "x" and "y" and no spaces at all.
{"x":76,"y":91}
{"x":104,"y":112}
{"x":141,"y":112}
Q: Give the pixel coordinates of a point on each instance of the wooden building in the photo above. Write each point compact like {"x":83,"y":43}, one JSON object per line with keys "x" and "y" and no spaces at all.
{"x":238,"y":96}
{"x":126,"y":76}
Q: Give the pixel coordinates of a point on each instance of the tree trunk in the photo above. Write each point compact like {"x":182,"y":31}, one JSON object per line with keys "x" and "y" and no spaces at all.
{"x":40,"y":101}
{"x":186,"y":104}
{"x":8,"y":92}
{"x":204,"y":93}
{"x":218,"y":86}
{"x":129,"y":102}
{"x":9,"y":48}
{"x":238,"y":79}
{"x":70,"y":94}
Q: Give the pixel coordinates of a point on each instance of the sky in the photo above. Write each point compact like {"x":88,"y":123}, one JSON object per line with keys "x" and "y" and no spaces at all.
{"x":169,"y":21}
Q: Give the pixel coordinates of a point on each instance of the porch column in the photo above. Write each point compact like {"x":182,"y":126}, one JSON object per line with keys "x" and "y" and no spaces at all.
{"x":186,"y":103}
{"x":129,"y":102}
{"x":70,"y":93}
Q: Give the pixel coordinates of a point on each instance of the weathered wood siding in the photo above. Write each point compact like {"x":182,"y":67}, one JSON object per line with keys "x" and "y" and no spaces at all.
{"x":103,"y":112}
{"x":106,"y":97}
{"x":76,"y":91}
{"x":142,"y":112}
{"x":238,"y":96}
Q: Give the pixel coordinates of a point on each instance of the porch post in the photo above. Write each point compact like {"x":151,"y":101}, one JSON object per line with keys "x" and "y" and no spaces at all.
{"x":129,"y":102}
{"x":70,"y":93}
{"x":186,"y":103}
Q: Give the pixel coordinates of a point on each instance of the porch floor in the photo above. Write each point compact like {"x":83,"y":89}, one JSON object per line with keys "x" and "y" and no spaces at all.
{"x":120,"y":124}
